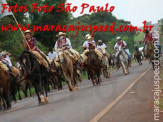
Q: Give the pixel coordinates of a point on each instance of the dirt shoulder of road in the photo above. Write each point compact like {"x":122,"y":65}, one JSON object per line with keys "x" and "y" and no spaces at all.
{"x":137,"y":105}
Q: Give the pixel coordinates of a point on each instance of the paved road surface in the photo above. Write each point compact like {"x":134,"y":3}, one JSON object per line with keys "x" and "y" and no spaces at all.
{"x":83,"y":105}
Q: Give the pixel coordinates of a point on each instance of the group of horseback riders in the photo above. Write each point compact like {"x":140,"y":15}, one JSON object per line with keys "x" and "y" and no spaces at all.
{"x":68,"y":61}
{"x":64,"y":43}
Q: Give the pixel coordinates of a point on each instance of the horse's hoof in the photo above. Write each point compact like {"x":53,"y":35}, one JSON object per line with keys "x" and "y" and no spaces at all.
{"x":46,"y":99}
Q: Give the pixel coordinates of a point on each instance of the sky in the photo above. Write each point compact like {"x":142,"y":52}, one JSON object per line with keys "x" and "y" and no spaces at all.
{"x":135,"y":11}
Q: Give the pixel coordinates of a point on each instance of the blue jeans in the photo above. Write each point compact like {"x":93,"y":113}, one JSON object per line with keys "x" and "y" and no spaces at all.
{"x":8,"y":66}
{"x":128,"y":53}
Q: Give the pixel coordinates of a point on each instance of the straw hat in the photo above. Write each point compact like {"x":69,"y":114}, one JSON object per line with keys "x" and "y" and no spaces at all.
{"x":86,"y":36}
{"x":100,"y":41}
{"x":4,"y":53}
{"x":89,"y":37}
{"x":60,"y":34}
{"x":28,"y":31}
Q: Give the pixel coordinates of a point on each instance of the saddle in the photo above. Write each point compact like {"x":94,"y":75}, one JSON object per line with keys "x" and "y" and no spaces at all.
{"x":3,"y":67}
{"x":40,"y":59}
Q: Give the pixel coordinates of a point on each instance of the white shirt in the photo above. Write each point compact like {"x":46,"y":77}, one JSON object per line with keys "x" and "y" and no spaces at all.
{"x":67,"y":43}
{"x":86,"y":43}
{"x":101,"y":46}
{"x":8,"y":59}
{"x":116,"y":46}
{"x":17,"y":65}
{"x":52,"y":55}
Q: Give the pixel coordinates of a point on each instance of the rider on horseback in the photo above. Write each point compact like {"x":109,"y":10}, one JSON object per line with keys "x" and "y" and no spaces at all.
{"x":101,"y":46}
{"x":147,"y":38}
{"x":122,"y":43}
{"x":30,"y":43}
{"x":90,"y":42}
{"x":4,"y":61}
{"x":65,"y":44}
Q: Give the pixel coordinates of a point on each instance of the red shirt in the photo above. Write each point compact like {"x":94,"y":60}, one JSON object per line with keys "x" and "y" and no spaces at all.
{"x":32,"y":43}
{"x":148,"y":37}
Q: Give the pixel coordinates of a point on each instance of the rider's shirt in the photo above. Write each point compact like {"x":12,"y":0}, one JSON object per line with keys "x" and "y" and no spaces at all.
{"x":120,"y":43}
{"x":52,"y":55}
{"x":32,"y":43}
{"x":60,"y":43}
{"x":148,"y":37}
{"x":86,"y":43}
{"x":8,"y":60}
{"x":101,"y":46}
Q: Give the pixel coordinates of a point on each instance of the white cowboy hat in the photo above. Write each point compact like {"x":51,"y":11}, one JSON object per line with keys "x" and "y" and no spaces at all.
{"x":118,"y":38}
{"x":28,"y":31}
{"x":60,"y":34}
{"x":86,"y":36}
{"x":89,"y":37}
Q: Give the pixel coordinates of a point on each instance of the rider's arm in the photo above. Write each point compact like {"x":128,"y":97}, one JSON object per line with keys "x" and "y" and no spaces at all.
{"x":55,"y":47}
{"x":68,"y":43}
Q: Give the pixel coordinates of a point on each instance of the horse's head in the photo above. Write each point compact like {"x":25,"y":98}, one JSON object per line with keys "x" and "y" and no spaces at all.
{"x":92,"y":56}
{"x":60,"y":54}
{"x":25,"y":63}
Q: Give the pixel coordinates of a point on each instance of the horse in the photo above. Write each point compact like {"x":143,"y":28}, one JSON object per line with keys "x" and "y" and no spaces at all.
{"x":105,"y":68}
{"x":5,"y":79}
{"x":93,"y":66}
{"x":67,"y":67}
{"x":151,"y":54}
{"x":36,"y":73}
{"x":123,"y":60}
{"x":56,"y":76}
{"x":138,"y":55}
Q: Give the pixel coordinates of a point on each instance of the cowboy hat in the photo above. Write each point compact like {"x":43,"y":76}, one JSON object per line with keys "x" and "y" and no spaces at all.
{"x":89,"y":37}
{"x":100,"y":41}
{"x":28,"y":31}
{"x":86,"y":36}
{"x":118,"y":38}
{"x":4,"y":53}
{"x":60,"y":34}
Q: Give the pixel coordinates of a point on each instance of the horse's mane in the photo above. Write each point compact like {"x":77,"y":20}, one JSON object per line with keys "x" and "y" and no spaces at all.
{"x":3,"y":67}
{"x":32,"y":58}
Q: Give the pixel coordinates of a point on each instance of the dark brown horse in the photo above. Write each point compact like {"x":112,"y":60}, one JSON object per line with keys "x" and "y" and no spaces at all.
{"x":138,"y":55}
{"x":93,"y":67}
{"x":36,"y":73}
{"x":5,"y":85}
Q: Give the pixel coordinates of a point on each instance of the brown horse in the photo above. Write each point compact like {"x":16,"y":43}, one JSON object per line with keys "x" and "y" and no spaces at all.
{"x":67,"y":67}
{"x":5,"y":85}
{"x":138,"y":55}
{"x":93,"y":67}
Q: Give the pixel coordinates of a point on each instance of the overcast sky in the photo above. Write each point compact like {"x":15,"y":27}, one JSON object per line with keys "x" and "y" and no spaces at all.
{"x":135,"y":11}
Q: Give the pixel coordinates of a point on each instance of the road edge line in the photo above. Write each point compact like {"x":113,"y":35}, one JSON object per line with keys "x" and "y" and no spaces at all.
{"x":105,"y":110}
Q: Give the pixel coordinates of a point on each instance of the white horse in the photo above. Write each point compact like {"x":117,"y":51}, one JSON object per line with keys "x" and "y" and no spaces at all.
{"x":105,"y":61}
{"x":123,"y":59}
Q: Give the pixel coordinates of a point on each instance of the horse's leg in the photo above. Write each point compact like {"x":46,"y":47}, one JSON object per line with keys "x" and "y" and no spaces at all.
{"x":36,"y":90}
{"x":20,"y":98}
{"x":46,"y":86}
{"x":68,"y":79}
